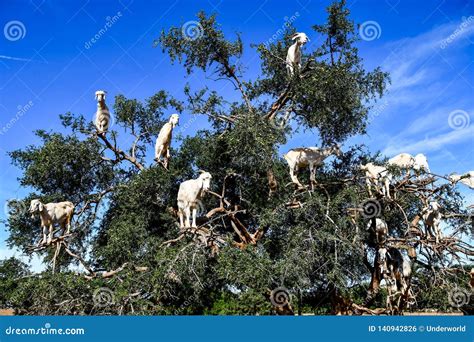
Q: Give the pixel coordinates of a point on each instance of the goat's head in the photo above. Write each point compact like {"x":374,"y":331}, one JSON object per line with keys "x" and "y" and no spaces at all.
{"x":35,"y":207}
{"x":205,"y":177}
{"x":435,"y":206}
{"x":100,"y":95}
{"x":300,"y":37}
{"x":336,"y":150}
{"x":421,"y":162}
{"x":174,"y":119}
{"x":454,"y":178}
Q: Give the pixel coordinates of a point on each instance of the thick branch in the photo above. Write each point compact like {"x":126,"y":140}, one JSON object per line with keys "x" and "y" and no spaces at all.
{"x":121,"y":154}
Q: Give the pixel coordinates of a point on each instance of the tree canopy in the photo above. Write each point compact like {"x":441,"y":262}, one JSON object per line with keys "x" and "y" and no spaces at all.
{"x":319,"y":247}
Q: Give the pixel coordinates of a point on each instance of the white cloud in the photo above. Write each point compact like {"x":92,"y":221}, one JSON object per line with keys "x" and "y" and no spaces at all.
{"x":426,"y":88}
{"x":435,"y":143}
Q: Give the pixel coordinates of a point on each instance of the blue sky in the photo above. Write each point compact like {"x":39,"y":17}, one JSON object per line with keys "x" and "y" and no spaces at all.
{"x":47,"y":68}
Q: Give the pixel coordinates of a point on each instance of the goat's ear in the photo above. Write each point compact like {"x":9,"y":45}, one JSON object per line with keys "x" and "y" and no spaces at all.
{"x":293,"y":37}
{"x":41,"y":206}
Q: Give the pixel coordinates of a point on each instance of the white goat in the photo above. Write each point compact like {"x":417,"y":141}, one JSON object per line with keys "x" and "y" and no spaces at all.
{"x":402,"y":160}
{"x":395,"y":269}
{"x":308,"y":156}
{"x":102,"y":116}
{"x":432,"y":218}
{"x":466,"y":179}
{"x":407,"y":162}
{"x":189,"y":197}
{"x":376,"y":176}
{"x":293,"y":57}
{"x":421,"y":163}
{"x":53,"y":213}
{"x":163,"y":142}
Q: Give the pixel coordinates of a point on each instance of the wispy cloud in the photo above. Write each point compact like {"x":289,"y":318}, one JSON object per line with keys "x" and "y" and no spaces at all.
{"x":427,"y":85}
{"x":430,"y":144}
{"x":15,"y":58}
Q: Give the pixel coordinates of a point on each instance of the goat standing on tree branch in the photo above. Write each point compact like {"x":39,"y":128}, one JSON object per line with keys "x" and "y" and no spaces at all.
{"x":102,"y":116}
{"x":293,"y":57}
{"x":163,"y":142}
{"x":189,"y":197}
{"x":308,"y":156}
{"x":376,"y":176}
{"x":51,"y":214}
{"x":432,"y":218}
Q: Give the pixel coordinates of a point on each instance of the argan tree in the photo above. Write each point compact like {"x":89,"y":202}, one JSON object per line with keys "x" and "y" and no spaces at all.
{"x":261,"y":245}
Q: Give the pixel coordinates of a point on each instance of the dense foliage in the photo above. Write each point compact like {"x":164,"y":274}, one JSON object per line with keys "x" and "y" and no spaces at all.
{"x":303,"y":241}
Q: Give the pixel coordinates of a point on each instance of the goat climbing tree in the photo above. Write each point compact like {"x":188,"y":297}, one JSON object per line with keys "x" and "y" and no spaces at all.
{"x":318,"y":247}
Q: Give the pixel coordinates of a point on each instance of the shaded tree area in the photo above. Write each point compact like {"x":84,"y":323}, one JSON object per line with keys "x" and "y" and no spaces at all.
{"x":255,"y":251}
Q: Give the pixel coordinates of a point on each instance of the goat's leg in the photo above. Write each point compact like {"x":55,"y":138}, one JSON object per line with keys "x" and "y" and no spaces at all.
{"x":50,"y":235}
{"x":437,"y":232}
{"x":166,"y":158}
{"x":369,"y":185}
{"x":312,"y":175}
{"x":293,"y":177}
{"x":187,"y":212}
{"x":386,"y":188}
{"x":181,"y":219}
{"x":194,"y":216}
{"x":158,"y":153}
{"x":68,"y":225}
{"x":44,"y":229}
{"x":429,"y":233}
